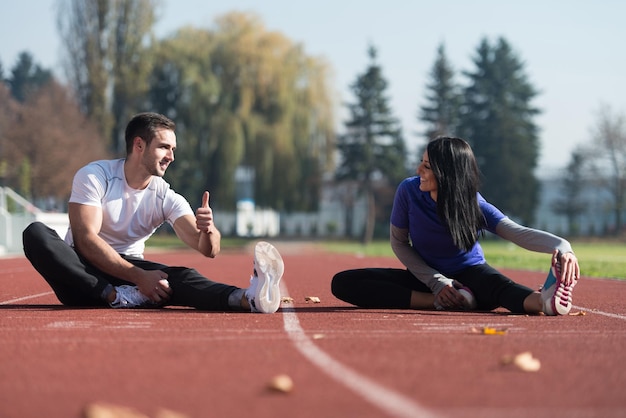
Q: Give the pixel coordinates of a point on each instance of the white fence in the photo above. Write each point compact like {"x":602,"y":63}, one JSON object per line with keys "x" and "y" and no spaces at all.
{"x":16,"y":213}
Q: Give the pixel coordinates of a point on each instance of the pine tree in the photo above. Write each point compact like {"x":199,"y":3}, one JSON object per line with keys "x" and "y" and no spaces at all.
{"x":372,"y":147}
{"x":27,"y":77}
{"x":441,"y":113}
{"x":497,"y":119}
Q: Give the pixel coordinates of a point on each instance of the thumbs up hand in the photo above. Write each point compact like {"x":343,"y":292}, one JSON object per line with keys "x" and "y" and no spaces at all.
{"x":204,"y":215}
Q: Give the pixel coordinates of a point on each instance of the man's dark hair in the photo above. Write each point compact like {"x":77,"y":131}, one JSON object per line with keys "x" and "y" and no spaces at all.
{"x":145,"y":125}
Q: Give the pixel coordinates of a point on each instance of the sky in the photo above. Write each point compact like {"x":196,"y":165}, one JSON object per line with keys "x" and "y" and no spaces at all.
{"x":572,"y":50}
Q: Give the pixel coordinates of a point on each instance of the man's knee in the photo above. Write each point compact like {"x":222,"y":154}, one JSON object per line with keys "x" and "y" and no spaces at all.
{"x":36,"y":231}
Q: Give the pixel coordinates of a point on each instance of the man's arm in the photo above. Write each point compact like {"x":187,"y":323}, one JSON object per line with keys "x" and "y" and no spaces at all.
{"x":86,"y":222}
{"x":200,"y":232}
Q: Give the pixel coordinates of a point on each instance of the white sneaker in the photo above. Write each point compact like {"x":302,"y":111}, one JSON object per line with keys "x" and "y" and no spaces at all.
{"x":264,"y":292}
{"x":556,"y":296}
{"x":470,"y":299}
{"x":129,"y":297}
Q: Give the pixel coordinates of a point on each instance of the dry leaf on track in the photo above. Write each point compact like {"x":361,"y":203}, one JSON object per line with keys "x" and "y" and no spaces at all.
{"x":286,"y":299}
{"x":281,"y":383}
{"x":107,"y":410}
{"x":523,"y":361}
{"x":313,"y":299}
{"x":168,"y":413}
{"x":489,"y":331}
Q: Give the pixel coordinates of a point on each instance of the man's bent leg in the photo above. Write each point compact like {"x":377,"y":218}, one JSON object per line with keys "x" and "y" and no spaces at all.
{"x":75,"y":282}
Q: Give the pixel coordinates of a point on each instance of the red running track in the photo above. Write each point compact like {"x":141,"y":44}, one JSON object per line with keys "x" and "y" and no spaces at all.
{"x":344,"y":362}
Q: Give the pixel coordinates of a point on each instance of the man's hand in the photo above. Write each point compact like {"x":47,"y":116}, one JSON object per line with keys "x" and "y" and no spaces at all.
{"x":154,"y":285}
{"x":204,"y":215}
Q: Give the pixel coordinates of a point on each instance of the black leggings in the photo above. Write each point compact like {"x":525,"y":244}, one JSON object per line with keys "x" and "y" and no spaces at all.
{"x":78,"y":283}
{"x":391,"y":288}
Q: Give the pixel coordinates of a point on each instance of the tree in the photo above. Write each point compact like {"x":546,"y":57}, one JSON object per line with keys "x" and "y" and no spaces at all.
{"x":47,"y":142}
{"x":27,"y":77}
{"x":107,"y":60}
{"x":571,"y":203}
{"x":132,"y":58}
{"x":245,"y":97}
{"x":608,"y":151}
{"x":441,"y":112}
{"x":373,"y":147}
{"x":8,"y":113}
{"x":497,"y":119}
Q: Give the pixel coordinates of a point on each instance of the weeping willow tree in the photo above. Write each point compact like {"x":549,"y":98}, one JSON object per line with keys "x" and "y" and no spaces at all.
{"x":245,"y":96}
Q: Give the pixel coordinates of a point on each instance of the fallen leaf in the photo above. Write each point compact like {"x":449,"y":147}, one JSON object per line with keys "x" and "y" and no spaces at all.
{"x":168,"y":413}
{"x":526,"y":362}
{"x":318,"y":336}
{"x":489,"y":331}
{"x":523,"y":361}
{"x":579,"y":313}
{"x":281,"y":383}
{"x":107,"y":410}
{"x":286,"y":299}
{"x":313,"y":299}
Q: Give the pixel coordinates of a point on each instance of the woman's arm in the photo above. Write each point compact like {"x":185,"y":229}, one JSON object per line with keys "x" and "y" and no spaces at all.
{"x":413,"y":261}
{"x":531,"y":239}
{"x":543,"y":242}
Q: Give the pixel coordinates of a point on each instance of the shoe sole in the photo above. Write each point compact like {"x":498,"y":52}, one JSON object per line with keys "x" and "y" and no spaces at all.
{"x":270,"y":268}
{"x":561,"y":301}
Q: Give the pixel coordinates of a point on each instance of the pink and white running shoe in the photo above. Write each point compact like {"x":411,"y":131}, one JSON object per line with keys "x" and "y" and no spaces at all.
{"x":556,"y":296}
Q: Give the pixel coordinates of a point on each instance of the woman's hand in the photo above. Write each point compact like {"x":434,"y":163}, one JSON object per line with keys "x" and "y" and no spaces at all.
{"x":570,"y":270}
{"x":450,"y":298}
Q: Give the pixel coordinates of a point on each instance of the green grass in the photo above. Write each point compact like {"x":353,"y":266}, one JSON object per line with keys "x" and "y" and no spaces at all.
{"x":596,"y":259}
{"x":171,"y":241}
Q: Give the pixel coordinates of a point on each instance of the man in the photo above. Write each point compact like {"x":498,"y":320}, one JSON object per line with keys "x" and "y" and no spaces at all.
{"x":115,"y":206}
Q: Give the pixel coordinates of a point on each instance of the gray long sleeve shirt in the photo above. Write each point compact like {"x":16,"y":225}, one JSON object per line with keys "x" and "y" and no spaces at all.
{"x":528,"y":238}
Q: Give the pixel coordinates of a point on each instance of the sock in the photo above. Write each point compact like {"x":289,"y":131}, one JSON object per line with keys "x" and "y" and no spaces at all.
{"x":234,"y":299}
{"x":550,"y":280}
{"x":107,"y":291}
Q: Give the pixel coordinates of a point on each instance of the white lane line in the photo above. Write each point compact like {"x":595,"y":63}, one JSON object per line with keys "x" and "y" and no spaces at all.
{"x":38,"y":295}
{"x":387,"y":400}
{"x":596,"y":311}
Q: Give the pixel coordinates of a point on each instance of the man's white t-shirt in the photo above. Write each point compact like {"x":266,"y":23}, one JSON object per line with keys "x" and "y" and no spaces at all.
{"x":129,"y":216}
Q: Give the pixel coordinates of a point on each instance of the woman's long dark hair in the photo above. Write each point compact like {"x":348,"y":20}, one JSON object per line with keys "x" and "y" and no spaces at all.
{"x":458,"y":180}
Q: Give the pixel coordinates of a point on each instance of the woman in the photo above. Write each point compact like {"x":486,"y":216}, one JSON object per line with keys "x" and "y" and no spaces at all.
{"x":436,"y":221}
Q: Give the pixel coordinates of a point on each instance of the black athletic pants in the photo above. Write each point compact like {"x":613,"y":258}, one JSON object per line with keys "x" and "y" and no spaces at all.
{"x":78,"y":283}
{"x":391,"y":288}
